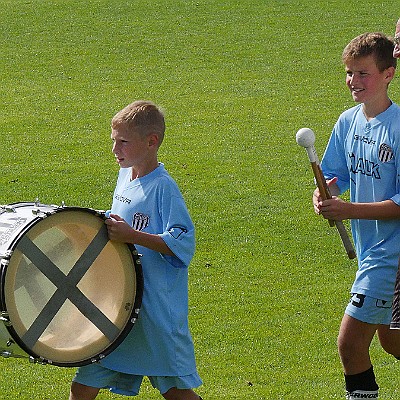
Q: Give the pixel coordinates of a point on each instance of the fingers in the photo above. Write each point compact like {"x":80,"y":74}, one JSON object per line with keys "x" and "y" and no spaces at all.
{"x":116,"y":217}
{"x":333,"y":209}
{"x":327,"y":191}
{"x":332,"y":181}
{"x":327,"y":208}
{"x":316,"y":199}
{"x":118,"y":229}
{"x":112,"y":219}
{"x":112,"y":225}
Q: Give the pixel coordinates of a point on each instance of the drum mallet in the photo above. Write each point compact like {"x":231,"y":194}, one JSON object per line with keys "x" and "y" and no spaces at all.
{"x":305,"y":137}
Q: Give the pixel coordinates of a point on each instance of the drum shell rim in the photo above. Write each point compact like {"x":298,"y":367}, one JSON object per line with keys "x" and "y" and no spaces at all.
{"x":136,"y":264}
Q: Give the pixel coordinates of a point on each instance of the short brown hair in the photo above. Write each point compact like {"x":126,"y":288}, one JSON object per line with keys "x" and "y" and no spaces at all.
{"x":375,"y":44}
{"x":143,"y":117}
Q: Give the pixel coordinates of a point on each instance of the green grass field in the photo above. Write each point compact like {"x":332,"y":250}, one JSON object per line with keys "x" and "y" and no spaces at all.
{"x":237,"y":79}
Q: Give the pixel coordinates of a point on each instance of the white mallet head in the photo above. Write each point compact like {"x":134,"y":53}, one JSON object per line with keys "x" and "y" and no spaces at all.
{"x":305,"y":137}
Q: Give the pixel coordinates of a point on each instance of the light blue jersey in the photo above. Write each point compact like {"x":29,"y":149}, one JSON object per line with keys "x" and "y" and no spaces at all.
{"x":365,"y":157}
{"x":160,"y":343}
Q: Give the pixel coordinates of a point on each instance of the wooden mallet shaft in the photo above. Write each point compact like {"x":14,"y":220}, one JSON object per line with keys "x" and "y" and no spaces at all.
{"x":305,"y":137}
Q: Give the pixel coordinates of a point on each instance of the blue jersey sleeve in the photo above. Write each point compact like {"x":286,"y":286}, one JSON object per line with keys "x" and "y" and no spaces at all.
{"x":179,"y":234}
{"x":334,"y":162}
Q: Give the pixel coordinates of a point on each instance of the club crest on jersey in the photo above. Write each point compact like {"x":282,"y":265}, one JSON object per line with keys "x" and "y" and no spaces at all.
{"x":385,"y":153}
{"x":140,"y":221}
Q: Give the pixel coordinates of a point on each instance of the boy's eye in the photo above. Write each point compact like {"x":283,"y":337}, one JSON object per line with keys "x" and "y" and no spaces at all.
{"x":119,"y":140}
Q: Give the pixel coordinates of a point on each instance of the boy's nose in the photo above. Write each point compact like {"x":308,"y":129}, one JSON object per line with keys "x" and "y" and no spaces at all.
{"x":353,"y":79}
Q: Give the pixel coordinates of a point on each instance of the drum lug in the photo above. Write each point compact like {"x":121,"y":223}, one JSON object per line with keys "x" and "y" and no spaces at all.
{"x":39,"y":360}
{"x":135,"y":315}
{"x":38,"y":212}
{"x":5,"y":257}
{"x":41,"y":214}
{"x":97,"y":359}
{"x":7,"y":209}
{"x":5,"y":318}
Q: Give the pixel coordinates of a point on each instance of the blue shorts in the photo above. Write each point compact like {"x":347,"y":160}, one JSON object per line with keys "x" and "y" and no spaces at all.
{"x":369,"y":310}
{"x":95,"y":375}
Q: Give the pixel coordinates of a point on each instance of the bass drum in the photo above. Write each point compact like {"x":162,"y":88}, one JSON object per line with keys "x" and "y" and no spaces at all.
{"x":68,"y":294}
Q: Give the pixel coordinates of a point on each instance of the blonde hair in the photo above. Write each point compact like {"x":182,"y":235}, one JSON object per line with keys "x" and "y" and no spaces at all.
{"x":142,"y":117}
{"x":376,"y":44}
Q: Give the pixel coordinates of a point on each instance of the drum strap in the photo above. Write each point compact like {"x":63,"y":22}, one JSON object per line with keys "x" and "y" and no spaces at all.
{"x":67,"y":288}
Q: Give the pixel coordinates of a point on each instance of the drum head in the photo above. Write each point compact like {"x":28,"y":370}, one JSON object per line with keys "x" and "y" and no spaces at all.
{"x":70,"y":292}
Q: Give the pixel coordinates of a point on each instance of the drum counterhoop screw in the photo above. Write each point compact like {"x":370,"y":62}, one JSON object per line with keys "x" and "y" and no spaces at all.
{"x":5,"y":318}
{"x":4,"y":261}
{"x":8,"y":255}
{"x":39,"y":360}
{"x":97,"y":359}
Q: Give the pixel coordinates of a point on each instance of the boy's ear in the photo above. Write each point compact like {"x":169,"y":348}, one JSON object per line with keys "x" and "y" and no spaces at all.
{"x":389,"y":73}
{"x":153,"y":139}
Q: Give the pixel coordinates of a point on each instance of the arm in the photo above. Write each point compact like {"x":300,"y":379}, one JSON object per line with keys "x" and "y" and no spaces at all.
{"x":121,"y":231}
{"x":338,"y":209}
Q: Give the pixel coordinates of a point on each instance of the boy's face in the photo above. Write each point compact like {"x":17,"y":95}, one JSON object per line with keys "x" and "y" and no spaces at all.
{"x":366,"y":83}
{"x":130,"y":149}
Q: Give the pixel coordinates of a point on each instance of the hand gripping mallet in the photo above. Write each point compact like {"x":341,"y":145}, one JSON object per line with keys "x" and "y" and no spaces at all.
{"x":305,"y":137}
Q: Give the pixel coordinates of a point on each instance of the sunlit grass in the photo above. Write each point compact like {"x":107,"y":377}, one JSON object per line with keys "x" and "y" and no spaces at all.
{"x":237,"y":79}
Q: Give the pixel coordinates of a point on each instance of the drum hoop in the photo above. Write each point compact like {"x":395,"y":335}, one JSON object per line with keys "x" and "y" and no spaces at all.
{"x":135,"y":309}
{"x":3,"y":272}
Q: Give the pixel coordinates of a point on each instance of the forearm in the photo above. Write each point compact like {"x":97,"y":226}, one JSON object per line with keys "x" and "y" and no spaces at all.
{"x":151,"y":241}
{"x":338,"y":209}
{"x":120,"y":231}
{"x":381,"y":210}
